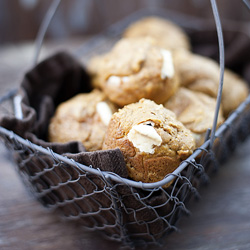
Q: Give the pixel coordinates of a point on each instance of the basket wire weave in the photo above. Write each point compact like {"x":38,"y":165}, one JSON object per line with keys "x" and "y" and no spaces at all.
{"x":133,"y":213}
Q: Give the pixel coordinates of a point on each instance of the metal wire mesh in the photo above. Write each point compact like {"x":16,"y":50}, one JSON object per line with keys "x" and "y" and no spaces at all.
{"x":132,"y":215}
{"x":127,"y":211}
{"x":121,"y":211}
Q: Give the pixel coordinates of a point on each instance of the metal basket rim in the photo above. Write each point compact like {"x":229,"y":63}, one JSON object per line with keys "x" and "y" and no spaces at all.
{"x":109,"y":175}
{"x":114,"y":177}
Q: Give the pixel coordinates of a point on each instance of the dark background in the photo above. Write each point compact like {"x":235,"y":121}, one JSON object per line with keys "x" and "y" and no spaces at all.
{"x":20,"y":19}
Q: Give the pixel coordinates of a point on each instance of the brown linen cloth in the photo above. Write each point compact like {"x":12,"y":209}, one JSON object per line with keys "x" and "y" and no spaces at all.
{"x":51,"y":82}
{"x":60,"y":77}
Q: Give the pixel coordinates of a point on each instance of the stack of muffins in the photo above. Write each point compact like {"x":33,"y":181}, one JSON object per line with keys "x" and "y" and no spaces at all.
{"x":152,"y":98}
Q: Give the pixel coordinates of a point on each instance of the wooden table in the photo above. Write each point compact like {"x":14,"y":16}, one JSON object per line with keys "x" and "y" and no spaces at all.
{"x":220,"y":220}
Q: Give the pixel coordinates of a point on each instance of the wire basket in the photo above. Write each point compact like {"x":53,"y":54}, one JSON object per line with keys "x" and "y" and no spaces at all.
{"x":133,"y":213}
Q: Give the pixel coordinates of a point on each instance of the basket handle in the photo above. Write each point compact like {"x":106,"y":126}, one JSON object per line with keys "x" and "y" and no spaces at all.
{"x":43,"y":28}
{"x":17,"y":99}
{"x":222,"y":68}
{"x":53,"y":8}
{"x":247,"y":3}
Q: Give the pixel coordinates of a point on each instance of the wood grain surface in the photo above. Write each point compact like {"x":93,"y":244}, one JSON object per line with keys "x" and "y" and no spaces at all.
{"x":220,"y":220}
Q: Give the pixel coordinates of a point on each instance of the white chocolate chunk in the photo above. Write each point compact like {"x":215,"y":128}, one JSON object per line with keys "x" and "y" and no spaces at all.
{"x":167,"y":69}
{"x":196,"y":136}
{"x":104,"y":112}
{"x":144,"y":137}
{"x":114,"y":81}
{"x":125,"y":78}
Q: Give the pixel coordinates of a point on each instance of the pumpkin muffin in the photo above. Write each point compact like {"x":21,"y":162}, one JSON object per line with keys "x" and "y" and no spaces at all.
{"x":167,"y":34}
{"x":152,"y":141}
{"x":196,"y":111}
{"x":202,"y":74}
{"x":134,"y":69}
{"x":84,"y":117}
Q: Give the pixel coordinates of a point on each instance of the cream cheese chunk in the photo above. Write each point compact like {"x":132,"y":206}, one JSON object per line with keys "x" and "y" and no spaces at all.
{"x":144,"y":137}
{"x":167,"y":70}
{"x":104,"y":112}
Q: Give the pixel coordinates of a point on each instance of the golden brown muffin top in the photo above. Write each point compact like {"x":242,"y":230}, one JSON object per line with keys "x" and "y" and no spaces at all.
{"x":152,"y":141}
{"x":84,"y":118}
{"x":167,"y":34}
{"x":135,"y":68}
{"x":194,"y":109}
{"x":202,"y":74}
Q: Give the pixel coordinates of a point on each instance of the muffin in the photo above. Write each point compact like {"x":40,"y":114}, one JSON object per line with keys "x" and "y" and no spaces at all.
{"x":235,"y":91}
{"x":202,"y":74}
{"x":152,"y":141}
{"x":196,"y":111}
{"x":135,"y":69}
{"x":83,"y":118}
{"x":167,"y":34}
